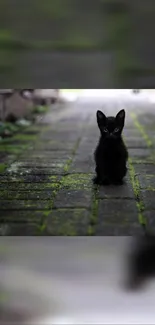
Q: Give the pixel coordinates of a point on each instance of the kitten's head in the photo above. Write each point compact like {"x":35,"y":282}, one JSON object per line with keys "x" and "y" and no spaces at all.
{"x":111,"y":127}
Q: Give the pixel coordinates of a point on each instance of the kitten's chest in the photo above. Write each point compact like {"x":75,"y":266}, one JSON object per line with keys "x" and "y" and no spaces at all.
{"x":111,"y":152}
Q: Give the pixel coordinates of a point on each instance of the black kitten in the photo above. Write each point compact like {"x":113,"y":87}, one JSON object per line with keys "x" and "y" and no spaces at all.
{"x":111,"y":154}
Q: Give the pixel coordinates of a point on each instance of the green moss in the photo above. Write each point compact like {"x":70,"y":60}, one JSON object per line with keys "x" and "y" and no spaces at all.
{"x":68,"y":230}
{"x":59,"y":222}
{"x":42,"y":228}
{"x":13,"y":149}
{"x":94,"y":212}
{"x":46,"y":213}
{"x":134,"y":180}
{"x":2,"y":167}
{"x":53,"y":178}
{"x":90,"y":231}
{"x":149,"y":188}
{"x":52,"y":185}
{"x":136,"y":189}
{"x":142,"y":130}
{"x":148,"y":176}
{"x":24,"y":137}
{"x":67,"y":165}
{"x":76,"y":181}
{"x":55,"y":192}
{"x":40,"y":109}
{"x":8,"y":141}
{"x":147,"y":161}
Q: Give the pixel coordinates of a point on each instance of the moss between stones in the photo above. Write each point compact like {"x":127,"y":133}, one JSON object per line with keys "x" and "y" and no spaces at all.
{"x":149,"y":188}
{"x":148,"y":176}
{"x":90,"y":231}
{"x":136,"y":189}
{"x":13,"y":149}
{"x":41,"y":228}
{"x":94,"y":212}
{"x":73,"y":181}
{"x":141,"y":129}
{"x":56,"y":186}
{"x":25,"y":137}
{"x":3,"y":167}
{"x":76,"y":181}
{"x":149,"y":161}
{"x":67,"y":165}
{"x":69,"y":161}
{"x":66,"y":226}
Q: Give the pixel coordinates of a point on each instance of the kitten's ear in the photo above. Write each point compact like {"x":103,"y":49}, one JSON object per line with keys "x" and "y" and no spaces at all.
{"x":101,"y":118}
{"x":120,"y":117}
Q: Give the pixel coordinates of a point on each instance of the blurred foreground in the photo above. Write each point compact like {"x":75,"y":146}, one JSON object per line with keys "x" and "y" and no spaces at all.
{"x":77,"y":43}
{"x":70,"y":281}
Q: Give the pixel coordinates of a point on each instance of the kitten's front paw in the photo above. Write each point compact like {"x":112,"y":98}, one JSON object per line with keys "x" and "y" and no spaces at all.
{"x":105,"y":182}
{"x":118,"y":182}
{"x":99,"y":181}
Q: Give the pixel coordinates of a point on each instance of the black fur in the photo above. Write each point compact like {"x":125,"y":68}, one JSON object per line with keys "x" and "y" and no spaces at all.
{"x":111,"y":154}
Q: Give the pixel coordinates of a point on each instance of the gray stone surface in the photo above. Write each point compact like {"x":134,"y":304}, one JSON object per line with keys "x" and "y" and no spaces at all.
{"x":22,"y":217}
{"x":73,"y":199}
{"x":149,"y":199}
{"x":150,"y":217}
{"x":15,"y":205}
{"x":19,"y":229}
{"x":146,"y":170}
{"x":84,"y":165}
{"x":139,"y":152}
{"x":146,"y":181}
{"x":106,"y":229}
{"x":64,"y":222}
{"x":121,"y":211}
{"x":48,"y":183}
{"x":120,"y":192}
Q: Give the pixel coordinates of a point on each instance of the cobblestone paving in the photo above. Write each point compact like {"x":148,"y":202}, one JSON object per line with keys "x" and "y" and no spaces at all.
{"x":46,"y":174}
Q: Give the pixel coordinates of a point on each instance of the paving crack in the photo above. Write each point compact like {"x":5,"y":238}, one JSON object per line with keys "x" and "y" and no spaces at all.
{"x":141,"y":129}
{"x":137,"y":193}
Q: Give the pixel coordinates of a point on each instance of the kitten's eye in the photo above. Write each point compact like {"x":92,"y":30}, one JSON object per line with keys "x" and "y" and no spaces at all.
{"x":116,"y":130}
{"x":105,"y":130}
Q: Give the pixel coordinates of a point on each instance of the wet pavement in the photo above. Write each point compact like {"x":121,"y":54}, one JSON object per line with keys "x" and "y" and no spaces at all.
{"x":46,"y":173}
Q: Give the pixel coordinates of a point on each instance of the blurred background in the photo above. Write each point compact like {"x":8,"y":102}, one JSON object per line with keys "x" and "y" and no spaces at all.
{"x":70,"y":281}
{"x":22,"y":107}
{"x":78,"y":43}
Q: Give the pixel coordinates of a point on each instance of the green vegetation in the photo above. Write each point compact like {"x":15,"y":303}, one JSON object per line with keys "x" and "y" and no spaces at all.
{"x":40,"y":109}
{"x":140,"y":127}
{"x":136,"y":189}
{"x":94,"y":212}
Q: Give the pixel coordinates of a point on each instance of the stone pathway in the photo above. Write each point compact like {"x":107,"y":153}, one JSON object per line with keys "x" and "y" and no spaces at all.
{"x":47,"y":188}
